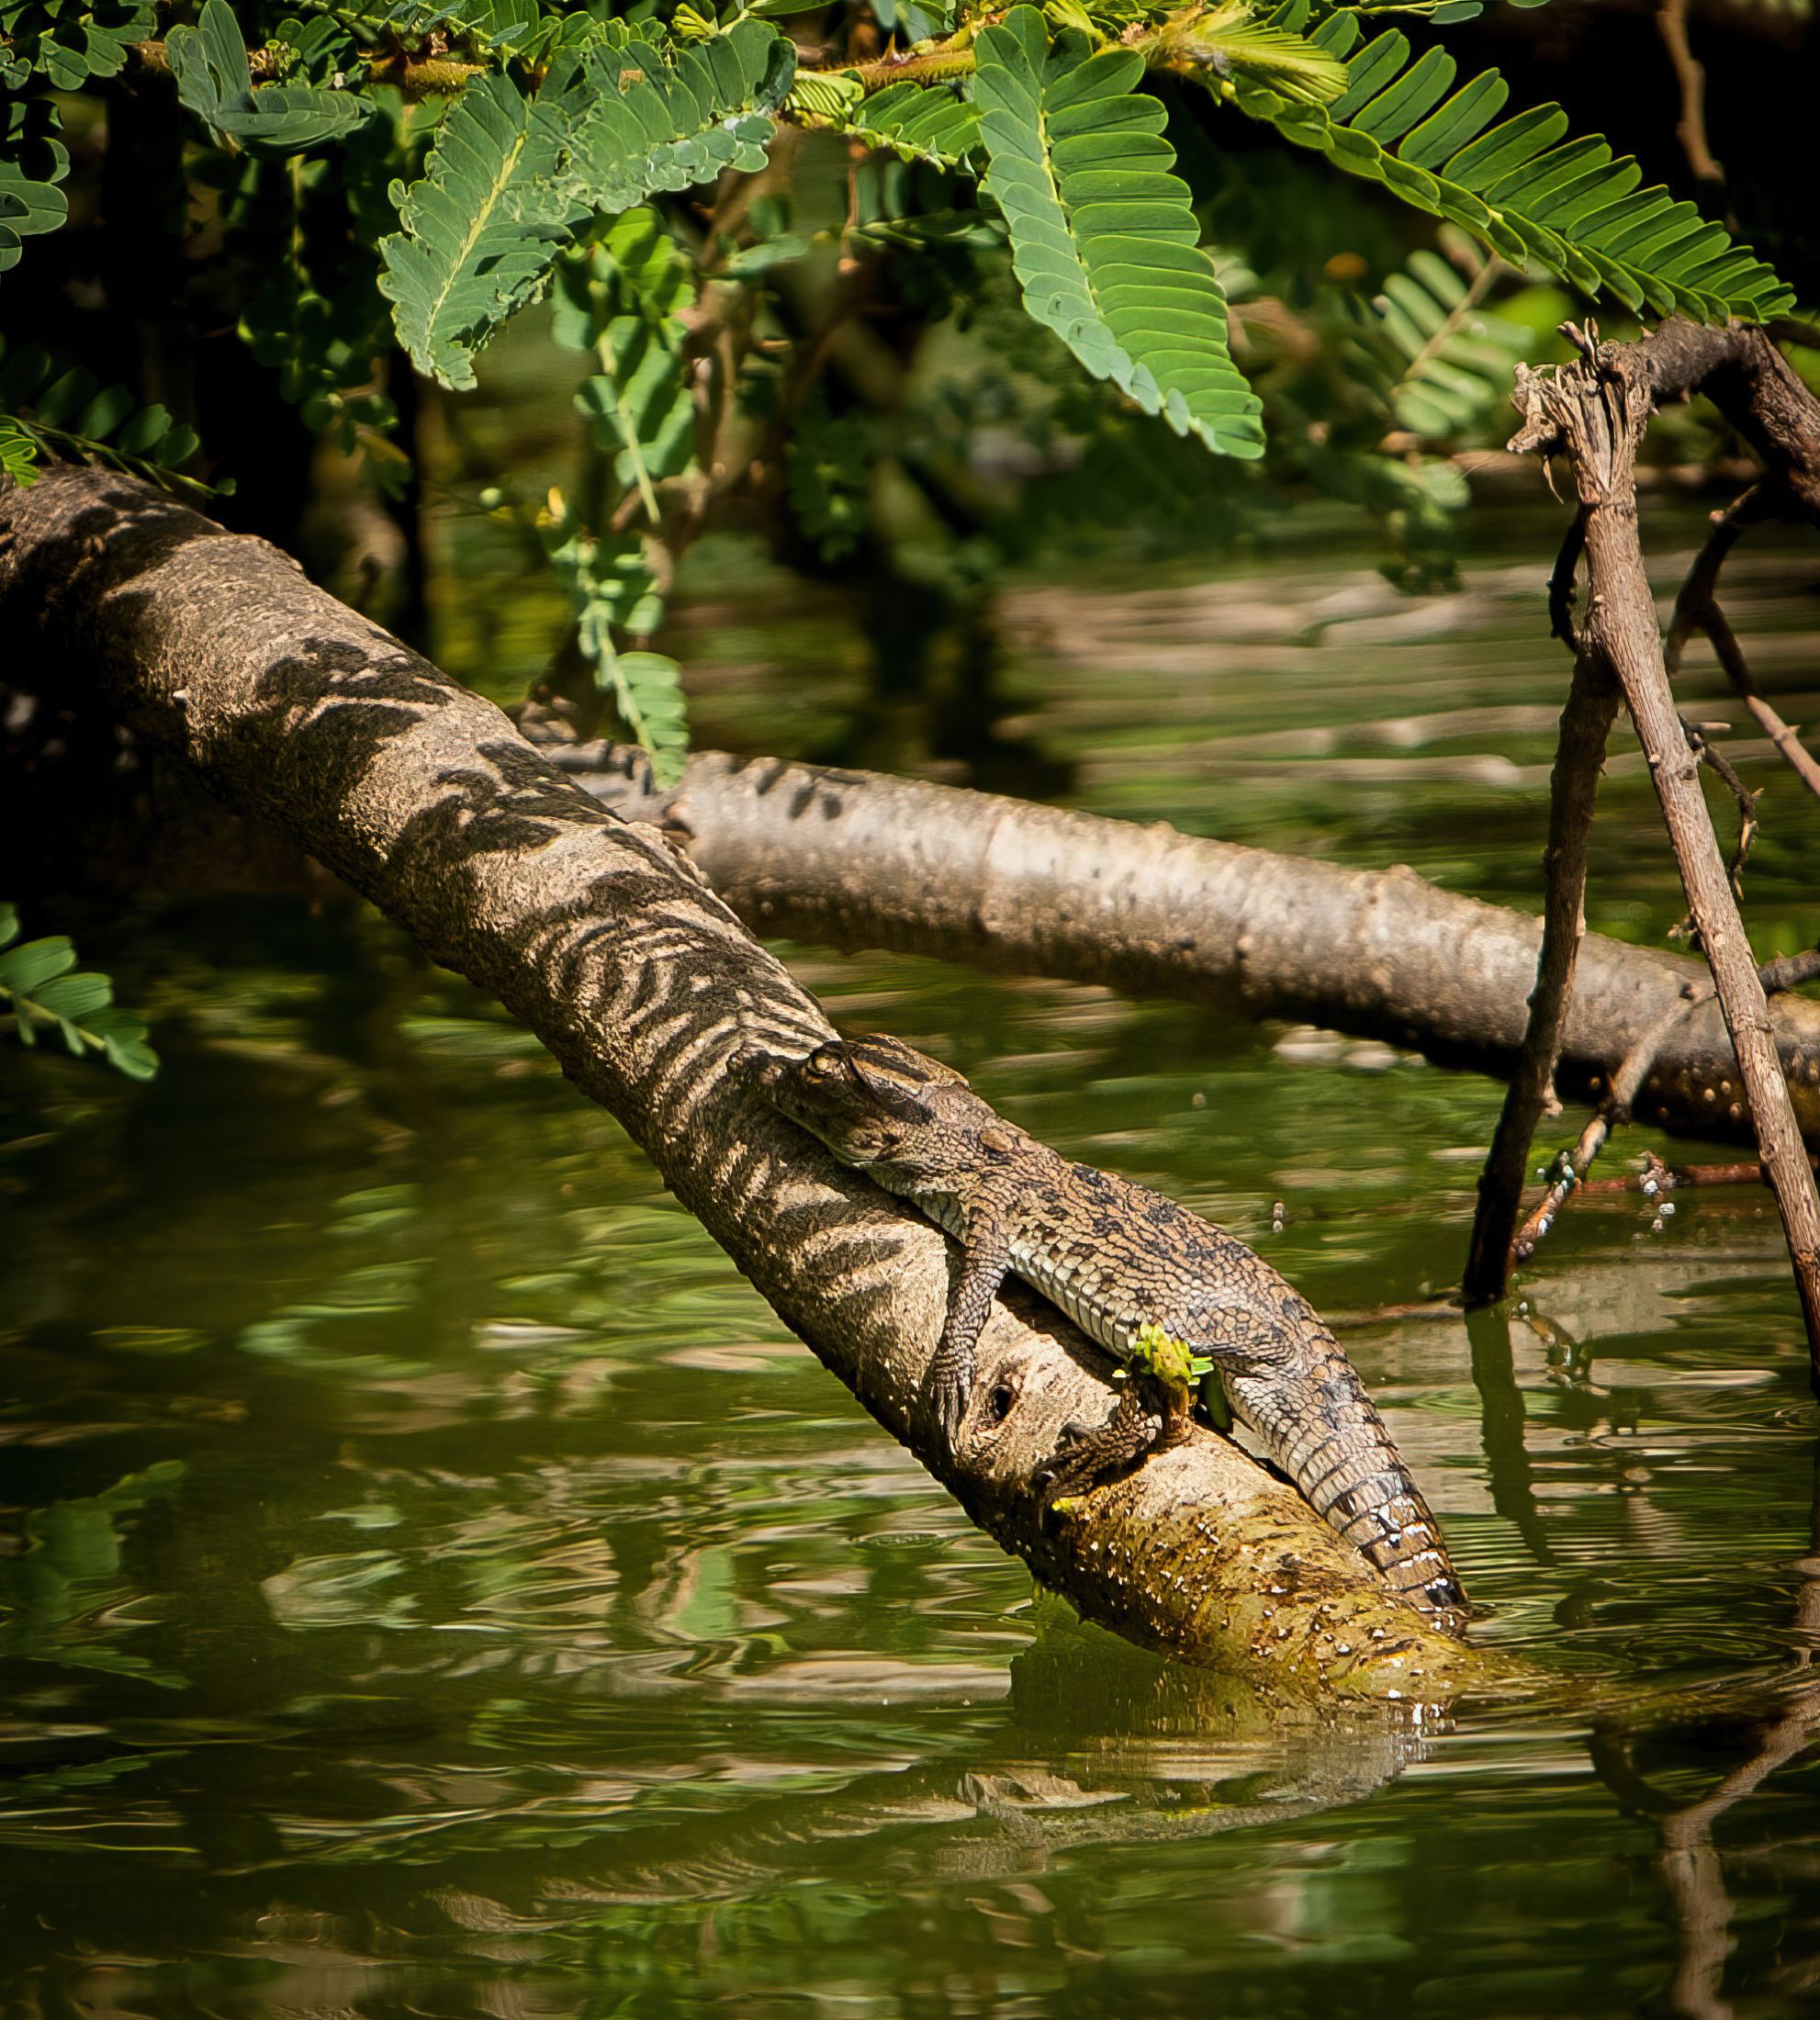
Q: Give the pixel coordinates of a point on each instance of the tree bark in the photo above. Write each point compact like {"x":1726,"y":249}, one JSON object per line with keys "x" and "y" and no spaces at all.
{"x":604,"y":939}
{"x":855,"y":859}
{"x":1740,"y":370}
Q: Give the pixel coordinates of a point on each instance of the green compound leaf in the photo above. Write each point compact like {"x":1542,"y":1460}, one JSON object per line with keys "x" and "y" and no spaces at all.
{"x":623,"y":303}
{"x":40,"y":989}
{"x":214,"y":79}
{"x":919,"y":124}
{"x":506,"y":24}
{"x":512,"y":179}
{"x":19,"y":453}
{"x":46,"y":406}
{"x":1452,"y":362}
{"x":614,"y":590}
{"x":67,"y":42}
{"x":524,"y":30}
{"x":26,"y":209}
{"x":33,"y":161}
{"x":644,"y":121}
{"x":1522,"y":187}
{"x":1102,"y":238}
{"x":915,"y":20}
{"x":1231,"y":41}
{"x":481,"y":226}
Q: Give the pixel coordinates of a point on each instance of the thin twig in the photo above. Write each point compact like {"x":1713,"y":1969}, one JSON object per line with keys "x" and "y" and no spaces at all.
{"x":1790,"y":971}
{"x":1697,"y":609}
{"x":1585,"y":723}
{"x":1784,"y":735}
{"x":1709,"y":753}
{"x":1690,"y":127}
{"x":1702,"y":577}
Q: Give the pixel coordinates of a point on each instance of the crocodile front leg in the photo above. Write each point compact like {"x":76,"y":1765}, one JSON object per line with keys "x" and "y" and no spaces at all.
{"x":1090,"y":1454}
{"x":985,"y":1255}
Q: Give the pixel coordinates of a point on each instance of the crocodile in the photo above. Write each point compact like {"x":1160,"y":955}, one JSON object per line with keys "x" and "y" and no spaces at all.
{"x":1133,"y":1270}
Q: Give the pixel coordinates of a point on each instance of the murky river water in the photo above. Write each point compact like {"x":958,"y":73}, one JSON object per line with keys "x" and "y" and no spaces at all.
{"x":431,"y":1581}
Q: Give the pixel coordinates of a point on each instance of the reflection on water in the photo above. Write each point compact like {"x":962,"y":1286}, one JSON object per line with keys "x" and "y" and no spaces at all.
{"x":430,"y":1582}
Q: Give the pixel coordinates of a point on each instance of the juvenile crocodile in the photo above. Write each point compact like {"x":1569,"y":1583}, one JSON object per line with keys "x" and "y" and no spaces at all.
{"x":1132,"y":1269}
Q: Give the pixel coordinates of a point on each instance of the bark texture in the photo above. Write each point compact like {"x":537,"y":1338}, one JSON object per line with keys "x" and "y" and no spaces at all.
{"x":1754,"y":386}
{"x":859,"y":859}
{"x":606,"y":942}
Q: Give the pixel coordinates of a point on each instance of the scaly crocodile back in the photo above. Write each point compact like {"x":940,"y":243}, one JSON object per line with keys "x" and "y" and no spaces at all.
{"x":1116,"y":1257}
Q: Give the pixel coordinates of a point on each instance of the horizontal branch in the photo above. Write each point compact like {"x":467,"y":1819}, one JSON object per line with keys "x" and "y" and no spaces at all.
{"x":859,"y":859}
{"x":605,"y":941}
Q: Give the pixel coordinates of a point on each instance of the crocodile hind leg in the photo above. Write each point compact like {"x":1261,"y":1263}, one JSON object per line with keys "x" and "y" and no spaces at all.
{"x":1090,"y":1454}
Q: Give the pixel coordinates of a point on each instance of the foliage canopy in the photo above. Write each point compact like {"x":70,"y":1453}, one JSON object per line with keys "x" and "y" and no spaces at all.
{"x":729,"y":206}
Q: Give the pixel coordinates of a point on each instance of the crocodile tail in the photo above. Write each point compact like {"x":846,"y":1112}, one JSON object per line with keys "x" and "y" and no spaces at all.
{"x":1318,"y":1425}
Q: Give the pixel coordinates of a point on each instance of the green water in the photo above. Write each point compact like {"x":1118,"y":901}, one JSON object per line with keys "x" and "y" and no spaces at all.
{"x":433,"y":1583}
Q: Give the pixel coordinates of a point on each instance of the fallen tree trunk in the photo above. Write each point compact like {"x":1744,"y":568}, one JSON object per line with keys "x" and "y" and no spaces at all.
{"x":423,"y":798}
{"x":860,"y":859}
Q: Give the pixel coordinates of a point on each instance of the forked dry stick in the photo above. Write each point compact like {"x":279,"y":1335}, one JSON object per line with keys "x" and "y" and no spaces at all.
{"x":1595,"y":411}
{"x":1586,"y":722}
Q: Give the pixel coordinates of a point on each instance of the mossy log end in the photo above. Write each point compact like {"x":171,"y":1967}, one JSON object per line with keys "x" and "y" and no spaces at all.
{"x":608,"y":944}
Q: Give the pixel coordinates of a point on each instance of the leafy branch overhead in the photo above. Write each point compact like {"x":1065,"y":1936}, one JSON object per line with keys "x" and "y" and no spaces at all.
{"x":513,"y":179}
{"x":740,"y":215}
{"x":1520,"y":188}
{"x":1102,"y":233}
{"x":1102,"y":237}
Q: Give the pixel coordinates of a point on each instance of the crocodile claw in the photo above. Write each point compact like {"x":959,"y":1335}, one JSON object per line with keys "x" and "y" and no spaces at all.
{"x":951,"y":1390}
{"x":1088,"y":1455}
{"x":1063,"y":1473}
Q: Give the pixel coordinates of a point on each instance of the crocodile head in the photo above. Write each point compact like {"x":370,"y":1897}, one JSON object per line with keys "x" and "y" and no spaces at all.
{"x":876,"y":1102}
